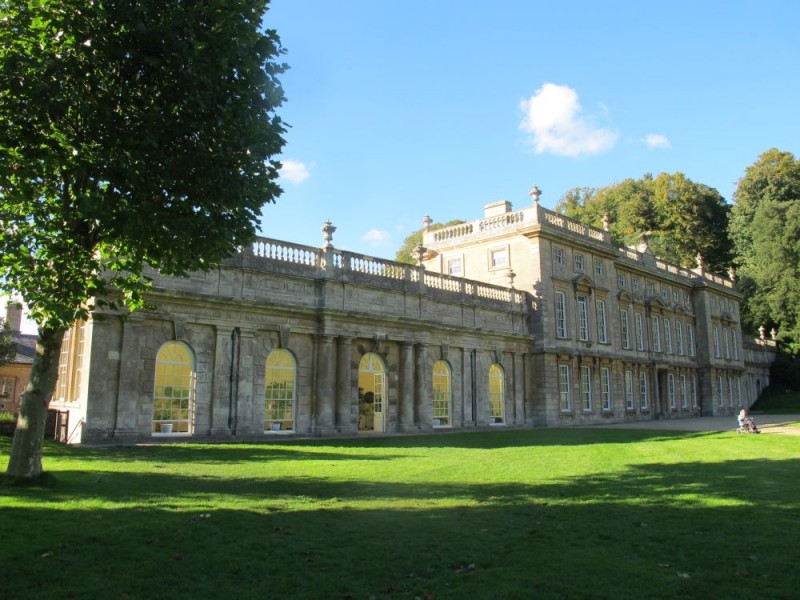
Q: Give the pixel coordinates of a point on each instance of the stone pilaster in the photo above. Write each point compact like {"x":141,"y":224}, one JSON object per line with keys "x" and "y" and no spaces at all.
{"x":221,"y":396}
{"x":519,"y":388}
{"x":325,"y":399}
{"x":345,"y":420}
{"x":244,"y":376}
{"x":422,"y":395}
{"x":405,"y":421}
{"x":129,"y":413}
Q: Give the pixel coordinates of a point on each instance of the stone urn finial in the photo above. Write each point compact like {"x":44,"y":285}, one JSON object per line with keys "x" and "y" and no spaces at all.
{"x":700,"y":264}
{"x":535,"y":193}
{"x":427,"y":222}
{"x":328,"y":229}
{"x":605,"y":222}
{"x":773,"y":334}
{"x":761,"y":332}
{"x":419,"y":253}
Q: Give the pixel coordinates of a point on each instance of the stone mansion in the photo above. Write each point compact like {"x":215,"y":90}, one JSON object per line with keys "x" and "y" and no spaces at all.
{"x":522,"y":318}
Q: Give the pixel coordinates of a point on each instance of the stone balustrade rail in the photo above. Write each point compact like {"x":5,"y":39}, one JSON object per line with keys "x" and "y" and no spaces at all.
{"x":538,"y":215}
{"x":377,"y":272}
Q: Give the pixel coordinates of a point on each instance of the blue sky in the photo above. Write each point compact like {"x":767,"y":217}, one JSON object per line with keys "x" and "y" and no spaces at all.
{"x":400,"y":109}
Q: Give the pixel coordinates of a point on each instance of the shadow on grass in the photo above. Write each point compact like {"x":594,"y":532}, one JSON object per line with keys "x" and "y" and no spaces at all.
{"x":690,"y":529}
{"x":740,"y":481}
{"x":289,"y":449}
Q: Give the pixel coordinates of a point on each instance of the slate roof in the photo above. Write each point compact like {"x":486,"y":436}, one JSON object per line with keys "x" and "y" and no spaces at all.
{"x":26,"y":347}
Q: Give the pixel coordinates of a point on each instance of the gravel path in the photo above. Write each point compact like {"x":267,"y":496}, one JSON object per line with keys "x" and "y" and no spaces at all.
{"x":766,"y":423}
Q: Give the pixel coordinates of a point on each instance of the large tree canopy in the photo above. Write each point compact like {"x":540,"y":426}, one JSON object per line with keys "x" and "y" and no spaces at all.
{"x":131,"y":133}
{"x":683,"y":218}
{"x":765,"y":228}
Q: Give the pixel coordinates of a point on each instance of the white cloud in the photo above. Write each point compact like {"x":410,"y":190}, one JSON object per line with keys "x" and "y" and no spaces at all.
{"x":656,"y":140}
{"x":376,"y":237}
{"x":553,"y":116}
{"x":294,"y":171}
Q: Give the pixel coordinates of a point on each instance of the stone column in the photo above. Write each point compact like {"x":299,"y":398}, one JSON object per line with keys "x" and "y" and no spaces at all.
{"x":326,"y":386}
{"x":406,"y":405}
{"x":221,"y":419}
{"x":344,"y":413}
{"x":519,"y":388}
{"x":244,"y":421}
{"x":422,"y":396}
{"x":130,"y":415}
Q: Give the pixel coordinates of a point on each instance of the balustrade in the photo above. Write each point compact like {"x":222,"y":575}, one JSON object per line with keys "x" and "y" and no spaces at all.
{"x":378,"y":269}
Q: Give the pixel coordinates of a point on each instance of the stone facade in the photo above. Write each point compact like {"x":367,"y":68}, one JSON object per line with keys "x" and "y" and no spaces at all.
{"x":618,"y":333}
{"x":513,"y":320}
{"x":328,"y":309}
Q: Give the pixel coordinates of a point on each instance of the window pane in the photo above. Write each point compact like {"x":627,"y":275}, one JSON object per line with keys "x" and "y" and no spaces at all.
{"x":441,"y":394}
{"x":496,"y":399}
{"x":172,"y":392}
{"x":279,"y":391}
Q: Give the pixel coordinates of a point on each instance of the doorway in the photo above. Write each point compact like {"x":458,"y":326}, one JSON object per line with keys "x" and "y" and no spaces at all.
{"x":371,"y":393}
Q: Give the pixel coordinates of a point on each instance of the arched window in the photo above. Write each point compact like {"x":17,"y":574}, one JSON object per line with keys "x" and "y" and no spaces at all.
{"x":441,"y":394}
{"x":280,"y":377}
{"x":173,"y":396}
{"x":496,"y":394}
{"x":371,"y":400}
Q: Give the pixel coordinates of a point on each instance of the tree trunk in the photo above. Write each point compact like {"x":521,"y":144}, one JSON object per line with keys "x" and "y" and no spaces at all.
{"x":26,"y":450}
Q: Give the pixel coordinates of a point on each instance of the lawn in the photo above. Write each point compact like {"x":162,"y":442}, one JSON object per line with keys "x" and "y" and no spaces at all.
{"x":567,"y":513}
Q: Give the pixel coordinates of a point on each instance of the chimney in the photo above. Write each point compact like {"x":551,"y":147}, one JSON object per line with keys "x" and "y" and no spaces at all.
{"x":13,"y":316}
{"x":496,"y":208}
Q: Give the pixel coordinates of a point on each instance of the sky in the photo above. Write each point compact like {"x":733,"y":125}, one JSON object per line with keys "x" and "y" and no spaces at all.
{"x":401,"y":109}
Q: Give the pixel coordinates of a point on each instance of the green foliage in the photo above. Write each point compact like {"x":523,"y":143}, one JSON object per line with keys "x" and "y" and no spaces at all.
{"x":406,"y":252}
{"x":682,"y":218}
{"x":765,"y":228}
{"x":7,"y":417}
{"x":785,"y":372}
{"x":8,"y":350}
{"x":130,"y":133}
{"x":779,"y":398}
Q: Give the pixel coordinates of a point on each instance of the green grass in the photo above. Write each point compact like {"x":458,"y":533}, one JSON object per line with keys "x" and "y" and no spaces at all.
{"x":567,"y":513}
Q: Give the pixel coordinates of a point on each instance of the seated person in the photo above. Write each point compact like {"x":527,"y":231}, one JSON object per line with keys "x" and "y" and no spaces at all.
{"x":741,"y":418}
{"x":745,"y":422}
